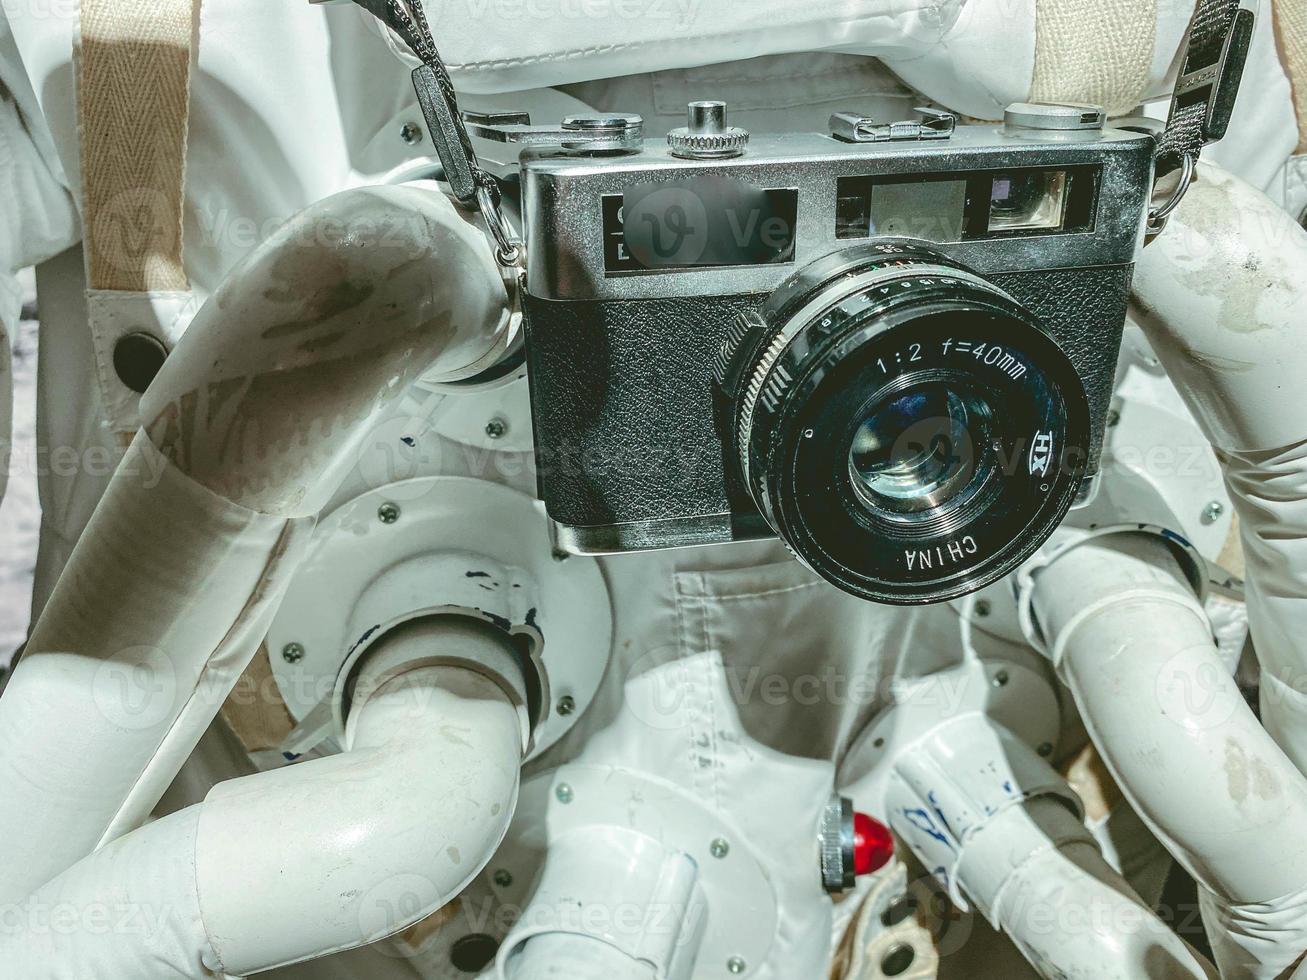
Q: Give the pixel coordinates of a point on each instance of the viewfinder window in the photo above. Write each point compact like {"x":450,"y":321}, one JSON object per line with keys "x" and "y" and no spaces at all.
{"x":1031,"y":200}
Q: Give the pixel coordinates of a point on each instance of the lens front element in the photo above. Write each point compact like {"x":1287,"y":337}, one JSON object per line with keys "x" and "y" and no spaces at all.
{"x":917,"y":450}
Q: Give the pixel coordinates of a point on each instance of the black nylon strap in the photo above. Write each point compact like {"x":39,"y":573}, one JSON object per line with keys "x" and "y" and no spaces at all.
{"x":1219,"y":37}
{"x":436,"y":97}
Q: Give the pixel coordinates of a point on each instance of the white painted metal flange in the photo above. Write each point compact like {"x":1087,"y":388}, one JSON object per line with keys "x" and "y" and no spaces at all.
{"x":376,"y":558}
{"x":741,"y":903}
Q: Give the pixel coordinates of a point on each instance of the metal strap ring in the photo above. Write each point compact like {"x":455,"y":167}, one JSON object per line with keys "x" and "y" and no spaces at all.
{"x":508,"y":248}
{"x":1157,"y":217}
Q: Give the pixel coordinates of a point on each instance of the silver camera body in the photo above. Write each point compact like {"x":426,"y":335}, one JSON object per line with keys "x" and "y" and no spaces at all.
{"x":650,"y":267}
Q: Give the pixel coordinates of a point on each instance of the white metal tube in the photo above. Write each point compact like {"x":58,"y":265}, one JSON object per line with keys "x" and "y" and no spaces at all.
{"x":1000,"y":828}
{"x":253,"y":421}
{"x":1222,"y":296}
{"x":291,"y":363}
{"x":1066,"y":909}
{"x":285,"y":866}
{"x":1133,"y":644}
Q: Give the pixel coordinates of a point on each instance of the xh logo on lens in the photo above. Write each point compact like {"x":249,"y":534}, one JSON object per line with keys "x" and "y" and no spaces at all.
{"x":1041,"y":453}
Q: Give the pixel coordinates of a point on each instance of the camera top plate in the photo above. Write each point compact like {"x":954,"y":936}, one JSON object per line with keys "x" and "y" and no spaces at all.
{"x":564,"y":211}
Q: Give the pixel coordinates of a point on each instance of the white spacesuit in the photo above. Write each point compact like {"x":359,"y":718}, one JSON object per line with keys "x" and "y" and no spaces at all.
{"x":710,"y":701}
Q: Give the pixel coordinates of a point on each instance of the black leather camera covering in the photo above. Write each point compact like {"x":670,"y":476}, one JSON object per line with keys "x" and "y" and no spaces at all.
{"x":623,"y":404}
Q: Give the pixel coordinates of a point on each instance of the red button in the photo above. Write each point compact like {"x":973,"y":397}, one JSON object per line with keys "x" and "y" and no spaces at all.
{"x":873,"y":844}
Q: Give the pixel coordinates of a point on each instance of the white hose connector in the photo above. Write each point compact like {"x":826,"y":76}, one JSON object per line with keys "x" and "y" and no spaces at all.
{"x":1134,"y":646}
{"x":998,"y":827}
{"x":252,"y":423}
{"x":292,"y":864}
{"x":1067,"y":910}
{"x":610,"y":887}
{"x":1223,"y":298}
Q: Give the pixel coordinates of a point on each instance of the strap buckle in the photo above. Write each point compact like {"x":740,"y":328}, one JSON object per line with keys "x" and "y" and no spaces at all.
{"x":1216,"y":85}
{"x":1219,"y":39}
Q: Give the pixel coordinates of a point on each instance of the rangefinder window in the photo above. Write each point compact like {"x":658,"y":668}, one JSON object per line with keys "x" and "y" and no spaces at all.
{"x":704,"y":222}
{"x":932,"y":209}
{"x":1035,"y":201}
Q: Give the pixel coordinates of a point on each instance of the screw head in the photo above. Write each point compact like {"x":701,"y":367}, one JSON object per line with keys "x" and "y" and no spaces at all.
{"x":720,"y":848}
{"x":1213,"y":511}
{"x":566,"y":705}
{"x":503,"y":878}
{"x":983,"y":609}
{"x":736,"y":965}
{"x":411,"y":133}
{"x":564,"y":793}
{"x":292,"y":653}
{"x":1001,"y":679}
{"x":1046,"y":749}
{"x":388,"y":513}
{"x":496,"y":428}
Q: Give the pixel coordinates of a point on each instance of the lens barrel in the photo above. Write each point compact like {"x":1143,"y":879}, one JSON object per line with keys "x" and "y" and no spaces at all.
{"x":902,"y":423}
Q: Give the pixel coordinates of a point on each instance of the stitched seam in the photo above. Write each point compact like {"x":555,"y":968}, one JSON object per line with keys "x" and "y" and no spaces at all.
{"x":851,"y":70}
{"x":711,"y":691}
{"x":573,"y":54}
{"x":770,"y":592}
{"x":683,"y":676}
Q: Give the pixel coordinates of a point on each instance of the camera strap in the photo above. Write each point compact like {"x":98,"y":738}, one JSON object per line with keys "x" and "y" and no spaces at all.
{"x":1219,"y":39}
{"x":473,"y":187}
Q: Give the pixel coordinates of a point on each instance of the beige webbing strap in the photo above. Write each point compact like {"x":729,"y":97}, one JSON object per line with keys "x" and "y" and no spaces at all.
{"x":134,"y":72}
{"x":1291,"y":30}
{"x":1098,"y":51}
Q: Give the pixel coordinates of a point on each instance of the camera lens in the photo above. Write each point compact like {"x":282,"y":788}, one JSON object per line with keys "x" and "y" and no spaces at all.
{"x":917,"y":449}
{"x":902,"y":423}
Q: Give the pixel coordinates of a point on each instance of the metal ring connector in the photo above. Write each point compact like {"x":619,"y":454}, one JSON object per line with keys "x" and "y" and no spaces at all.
{"x":508,"y":247}
{"x":1158,"y":216}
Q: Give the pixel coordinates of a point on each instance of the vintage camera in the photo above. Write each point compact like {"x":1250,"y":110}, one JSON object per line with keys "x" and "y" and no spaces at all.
{"x":891,"y":345}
